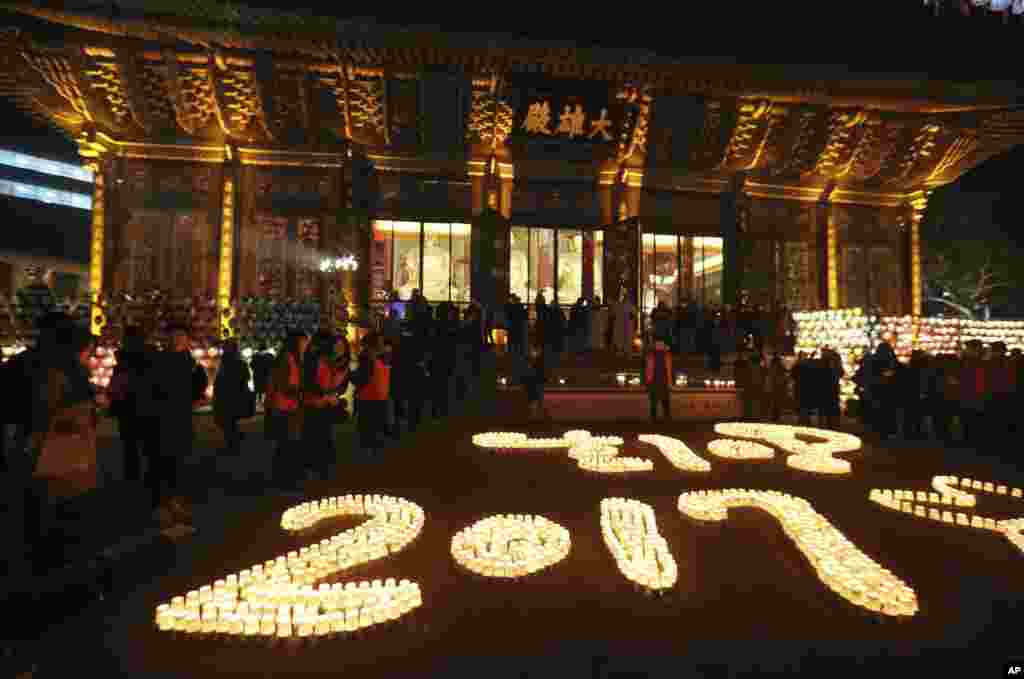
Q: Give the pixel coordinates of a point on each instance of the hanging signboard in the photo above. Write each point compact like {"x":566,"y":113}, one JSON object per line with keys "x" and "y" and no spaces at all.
{"x":578,"y":111}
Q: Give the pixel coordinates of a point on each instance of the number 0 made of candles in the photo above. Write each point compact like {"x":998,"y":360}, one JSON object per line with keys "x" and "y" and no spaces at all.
{"x":277,"y":598}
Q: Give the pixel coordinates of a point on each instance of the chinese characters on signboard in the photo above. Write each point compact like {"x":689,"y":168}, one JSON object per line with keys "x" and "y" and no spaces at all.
{"x":567,"y":110}
{"x":573,"y":122}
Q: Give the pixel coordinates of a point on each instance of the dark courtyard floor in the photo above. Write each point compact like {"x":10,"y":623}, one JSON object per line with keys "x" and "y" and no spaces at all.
{"x":746,"y":599}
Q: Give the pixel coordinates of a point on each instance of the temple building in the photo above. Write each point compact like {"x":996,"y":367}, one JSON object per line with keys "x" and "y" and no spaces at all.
{"x":234,"y":162}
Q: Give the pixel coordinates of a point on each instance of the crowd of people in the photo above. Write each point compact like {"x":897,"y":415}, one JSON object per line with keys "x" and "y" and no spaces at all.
{"x":688,"y":328}
{"x":980,"y":390}
{"x":433,"y":358}
{"x":423,"y":360}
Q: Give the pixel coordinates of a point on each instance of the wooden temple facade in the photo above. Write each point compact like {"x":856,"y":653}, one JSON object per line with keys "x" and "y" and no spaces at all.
{"x":230,"y":164}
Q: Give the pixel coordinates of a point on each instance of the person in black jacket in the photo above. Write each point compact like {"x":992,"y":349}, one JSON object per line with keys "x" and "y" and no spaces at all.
{"x":181,"y":386}
{"x":232,"y":399}
{"x":262,"y":362}
{"x":912,"y":389}
{"x":533,"y":378}
{"x":515,"y":322}
{"x":442,"y":366}
{"x":131,"y":406}
{"x":554,"y":333}
{"x":410,"y":380}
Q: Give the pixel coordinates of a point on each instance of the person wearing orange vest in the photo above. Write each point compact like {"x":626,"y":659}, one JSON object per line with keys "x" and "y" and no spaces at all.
{"x":283,"y":413}
{"x":658,"y":377}
{"x":323,"y":380}
{"x":372,"y":380}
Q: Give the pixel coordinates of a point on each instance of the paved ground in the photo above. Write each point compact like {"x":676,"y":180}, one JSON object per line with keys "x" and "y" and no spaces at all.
{"x":746,"y":599}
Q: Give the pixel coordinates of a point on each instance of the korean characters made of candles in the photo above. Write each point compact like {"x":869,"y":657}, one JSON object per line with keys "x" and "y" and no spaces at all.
{"x":816,"y":458}
{"x":630,"y":532}
{"x":838,"y":562}
{"x":736,"y":449}
{"x":510,"y":442}
{"x":510,"y":546}
{"x":947,"y":498}
{"x":677,"y":453}
{"x":277,"y":599}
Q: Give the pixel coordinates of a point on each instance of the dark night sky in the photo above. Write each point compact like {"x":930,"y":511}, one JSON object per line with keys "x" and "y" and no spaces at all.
{"x":777,"y":37}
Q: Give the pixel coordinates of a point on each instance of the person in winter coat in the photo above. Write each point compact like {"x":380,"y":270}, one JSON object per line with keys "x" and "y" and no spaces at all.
{"x":716,"y":330}
{"x":658,"y":378}
{"x":1000,"y":380}
{"x":555,"y":332}
{"x":661,"y":322}
{"x":180,"y":388}
{"x":804,"y":387}
{"x":776,"y":389}
{"x":131,"y":403}
{"x":832,"y":372}
{"x":540,"y":309}
{"x":881,"y":389}
{"x":283,"y":412}
{"x":262,"y":362}
{"x":232,"y":398}
{"x":372,"y":380}
{"x":913,"y":394}
{"x":64,"y":429}
{"x":743,"y":373}
{"x":323,"y":379}
{"x":515,"y":327}
{"x":410,"y":378}
{"x":533,"y":377}
{"x":598,"y":325}
{"x":972,"y":393}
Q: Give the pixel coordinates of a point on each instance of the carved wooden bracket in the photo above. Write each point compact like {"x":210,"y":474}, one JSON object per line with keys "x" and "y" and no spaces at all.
{"x":172,"y":73}
{"x":263,"y":85}
{"x":133,"y":89}
{"x":217,"y":69}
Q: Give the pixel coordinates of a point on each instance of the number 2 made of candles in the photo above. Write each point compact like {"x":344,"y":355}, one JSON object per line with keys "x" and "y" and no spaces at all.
{"x":277,"y":598}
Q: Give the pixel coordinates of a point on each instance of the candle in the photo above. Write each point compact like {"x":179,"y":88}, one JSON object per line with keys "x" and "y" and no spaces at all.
{"x":838,"y":562}
{"x":735,"y":449}
{"x":677,"y":453}
{"x":287,"y":580}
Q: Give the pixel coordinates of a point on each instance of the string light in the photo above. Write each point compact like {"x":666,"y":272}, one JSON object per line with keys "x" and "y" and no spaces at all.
{"x":843,"y":568}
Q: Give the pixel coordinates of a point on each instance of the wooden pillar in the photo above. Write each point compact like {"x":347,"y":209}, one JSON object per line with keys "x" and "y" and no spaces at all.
{"x":917,"y":204}
{"x":477,"y":171}
{"x":97,"y":250}
{"x":825,"y":250}
{"x":686,"y":268}
{"x":359,"y":220}
{"x":730,"y":206}
{"x":829,"y":271}
{"x":228,"y":236}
